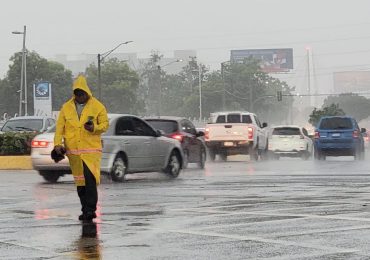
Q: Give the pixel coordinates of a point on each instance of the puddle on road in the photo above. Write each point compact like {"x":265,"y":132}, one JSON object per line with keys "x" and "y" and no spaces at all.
{"x":27,"y":212}
{"x":138,"y":224}
{"x":144,"y":245}
{"x":136,"y":213}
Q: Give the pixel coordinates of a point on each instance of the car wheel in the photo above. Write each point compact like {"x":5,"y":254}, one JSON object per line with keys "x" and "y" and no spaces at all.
{"x":306,"y":155}
{"x":320,"y":156}
{"x":270,"y":155}
{"x":253,"y":153}
{"x":223,"y":156}
{"x":202,"y":159}
{"x":212,"y":154}
{"x":173,"y":167}
{"x":186,"y":159}
{"x":359,"y":155}
{"x":119,"y":169}
{"x":50,"y":176}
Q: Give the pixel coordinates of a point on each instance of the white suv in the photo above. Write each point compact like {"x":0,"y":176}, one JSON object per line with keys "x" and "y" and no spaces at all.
{"x":289,"y":141}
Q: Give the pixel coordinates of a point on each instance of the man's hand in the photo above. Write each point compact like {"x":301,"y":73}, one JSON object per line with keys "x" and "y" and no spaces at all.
{"x":59,"y":149}
{"x":89,"y":127}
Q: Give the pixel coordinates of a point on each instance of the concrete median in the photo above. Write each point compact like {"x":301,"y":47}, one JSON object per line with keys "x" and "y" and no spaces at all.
{"x":21,"y":162}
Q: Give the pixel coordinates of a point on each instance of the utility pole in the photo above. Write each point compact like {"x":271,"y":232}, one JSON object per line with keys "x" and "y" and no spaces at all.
{"x":224,"y":87}
{"x":251,"y":99}
{"x":159,"y":101}
{"x":200,"y":92}
{"x":99,"y":76}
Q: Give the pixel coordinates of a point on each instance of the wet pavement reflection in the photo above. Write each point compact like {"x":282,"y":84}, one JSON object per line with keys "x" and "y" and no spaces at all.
{"x":287,"y":209}
{"x":88,"y":245}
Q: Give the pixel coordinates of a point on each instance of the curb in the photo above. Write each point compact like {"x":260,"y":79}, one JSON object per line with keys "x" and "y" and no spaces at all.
{"x":22,"y":162}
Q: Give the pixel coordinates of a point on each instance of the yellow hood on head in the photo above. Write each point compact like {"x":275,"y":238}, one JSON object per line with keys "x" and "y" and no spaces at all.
{"x":80,"y":83}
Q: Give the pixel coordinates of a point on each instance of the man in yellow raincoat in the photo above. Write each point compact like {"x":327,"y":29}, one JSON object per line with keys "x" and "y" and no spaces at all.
{"x":80,"y":123}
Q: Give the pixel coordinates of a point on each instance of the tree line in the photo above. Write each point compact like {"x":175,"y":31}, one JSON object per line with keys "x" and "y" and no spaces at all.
{"x":151,"y":91}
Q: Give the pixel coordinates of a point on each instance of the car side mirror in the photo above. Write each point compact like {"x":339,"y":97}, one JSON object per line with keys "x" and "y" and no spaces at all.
{"x":200,"y":133}
{"x":363,"y":130}
{"x":264,"y":125}
{"x":158,"y":133}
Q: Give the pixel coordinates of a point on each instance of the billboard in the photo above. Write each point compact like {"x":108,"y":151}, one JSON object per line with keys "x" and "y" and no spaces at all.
{"x":272,"y":60}
{"x":42,"y":98}
{"x":351,"y":81}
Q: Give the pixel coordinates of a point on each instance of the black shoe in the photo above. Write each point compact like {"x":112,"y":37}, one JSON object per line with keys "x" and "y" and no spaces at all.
{"x":87,"y":216}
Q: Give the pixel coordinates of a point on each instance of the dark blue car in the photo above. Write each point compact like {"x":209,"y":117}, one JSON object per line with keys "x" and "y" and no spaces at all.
{"x":339,"y":136}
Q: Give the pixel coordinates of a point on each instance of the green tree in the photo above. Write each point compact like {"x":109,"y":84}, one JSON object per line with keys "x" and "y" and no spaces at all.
{"x":331,"y":110}
{"x":119,"y":85}
{"x":38,"y":69}
{"x":150,"y":82}
{"x":244,"y":86}
{"x":354,"y":105}
{"x":180,"y":93}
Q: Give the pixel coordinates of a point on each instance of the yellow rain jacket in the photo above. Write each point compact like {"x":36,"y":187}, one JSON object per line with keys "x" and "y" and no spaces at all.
{"x":82,"y":145}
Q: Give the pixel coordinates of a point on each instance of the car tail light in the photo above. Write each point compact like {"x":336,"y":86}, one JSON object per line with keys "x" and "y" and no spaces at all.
{"x":317,"y":135}
{"x":39,"y":144}
{"x":177,"y":136}
{"x":206,"y":133}
{"x":355,"y":134}
{"x":250,"y":133}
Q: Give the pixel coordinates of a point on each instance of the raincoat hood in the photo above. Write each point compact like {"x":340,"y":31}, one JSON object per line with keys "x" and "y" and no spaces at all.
{"x":80,"y":83}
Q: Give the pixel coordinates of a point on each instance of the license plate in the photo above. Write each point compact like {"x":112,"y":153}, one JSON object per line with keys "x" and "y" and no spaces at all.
{"x":335,"y":135}
{"x":228,"y":144}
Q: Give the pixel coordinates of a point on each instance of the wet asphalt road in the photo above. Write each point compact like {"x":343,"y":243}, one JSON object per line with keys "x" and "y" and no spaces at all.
{"x":286,"y":209}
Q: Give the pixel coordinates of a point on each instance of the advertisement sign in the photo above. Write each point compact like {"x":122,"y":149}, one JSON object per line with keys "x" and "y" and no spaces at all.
{"x":272,"y":60}
{"x":42,"y":98}
{"x":351,"y":81}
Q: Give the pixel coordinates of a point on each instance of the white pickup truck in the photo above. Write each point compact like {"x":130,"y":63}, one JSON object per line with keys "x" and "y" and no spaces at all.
{"x":236,"y":132}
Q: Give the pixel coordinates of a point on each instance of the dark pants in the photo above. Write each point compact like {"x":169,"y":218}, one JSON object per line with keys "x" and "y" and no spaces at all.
{"x":88,"y":194}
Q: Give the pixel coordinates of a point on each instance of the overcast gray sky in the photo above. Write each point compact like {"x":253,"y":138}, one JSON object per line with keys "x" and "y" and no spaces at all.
{"x":336,"y":30}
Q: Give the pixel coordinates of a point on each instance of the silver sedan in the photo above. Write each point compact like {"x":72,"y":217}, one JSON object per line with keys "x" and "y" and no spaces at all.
{"x":130,"y":145}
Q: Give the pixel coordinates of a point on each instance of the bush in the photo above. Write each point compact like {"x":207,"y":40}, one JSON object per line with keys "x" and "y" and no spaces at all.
{"x":15,"y":143}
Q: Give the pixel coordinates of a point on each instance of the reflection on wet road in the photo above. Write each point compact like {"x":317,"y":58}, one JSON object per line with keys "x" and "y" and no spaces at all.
{"x":286,"y":209}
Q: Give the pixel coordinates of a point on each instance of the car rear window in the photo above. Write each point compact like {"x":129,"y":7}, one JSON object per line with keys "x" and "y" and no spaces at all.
{"x":167,"y":126}
{"x":234,"y":118}
{"x":336,"y":123}
{"x":286,"y":131}
{"x":22,"y":125}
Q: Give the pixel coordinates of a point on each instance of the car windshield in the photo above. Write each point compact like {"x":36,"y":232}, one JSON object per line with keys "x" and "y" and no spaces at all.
{"x":167,"y":126}
{"x":286,"y":131}
{"x":336,"y":123}
{"x":22,"y":125}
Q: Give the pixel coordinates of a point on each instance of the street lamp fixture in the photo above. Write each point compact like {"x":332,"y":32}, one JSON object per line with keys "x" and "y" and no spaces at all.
{"x":101,"y":58}
{"x":23,"y":84}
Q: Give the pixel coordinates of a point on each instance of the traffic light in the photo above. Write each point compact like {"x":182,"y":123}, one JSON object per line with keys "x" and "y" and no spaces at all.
{"x":279,"y":95}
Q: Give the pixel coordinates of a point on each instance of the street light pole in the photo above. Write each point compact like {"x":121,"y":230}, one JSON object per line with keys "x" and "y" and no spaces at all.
{"x":25,"y":73}
{"x":159,"y":105}
{"x":200,"y":93}
{"x":223,"y":84}
{"x":23,"y":83}
{"x":101,"y":58}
